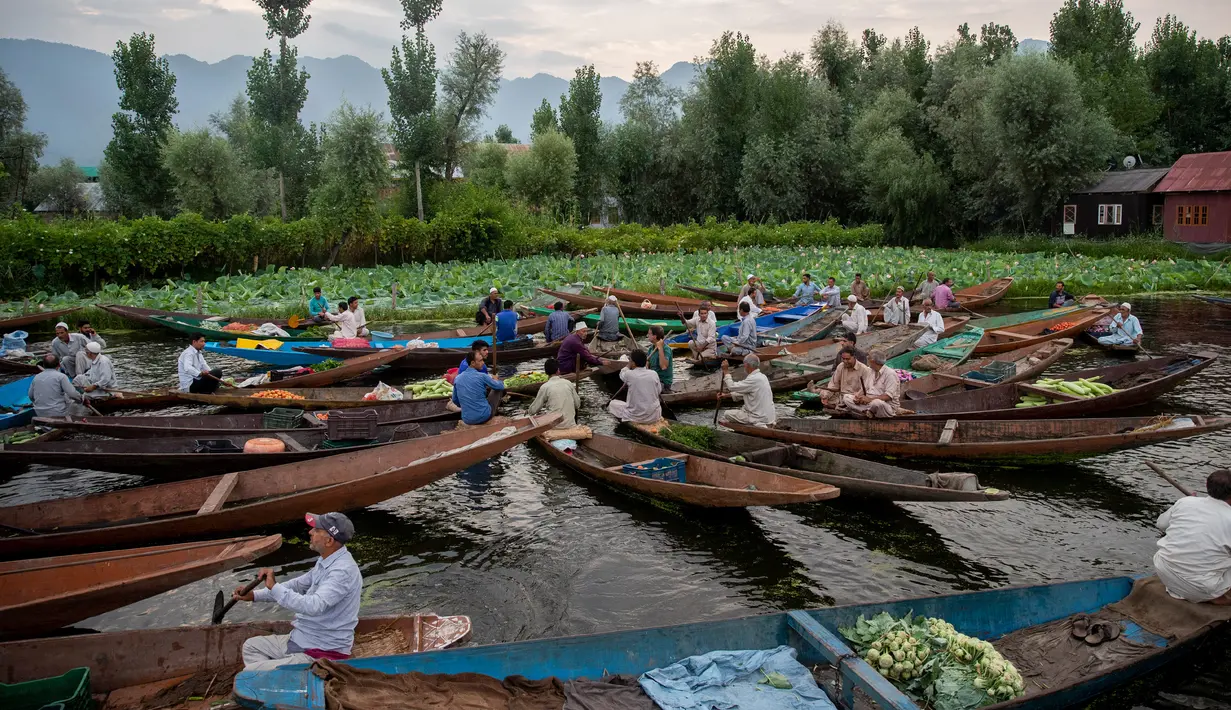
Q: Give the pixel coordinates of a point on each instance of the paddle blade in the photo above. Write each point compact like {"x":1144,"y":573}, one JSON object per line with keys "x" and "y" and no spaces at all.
{"x":220,"y":609}
{"x":293,"y":321}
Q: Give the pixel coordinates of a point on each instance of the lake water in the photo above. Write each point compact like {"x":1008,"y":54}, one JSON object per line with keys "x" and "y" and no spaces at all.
{"x":529,"y":550}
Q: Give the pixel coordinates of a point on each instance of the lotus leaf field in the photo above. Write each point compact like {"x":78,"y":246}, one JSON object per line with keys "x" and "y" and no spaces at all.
{"x":457,"y":286}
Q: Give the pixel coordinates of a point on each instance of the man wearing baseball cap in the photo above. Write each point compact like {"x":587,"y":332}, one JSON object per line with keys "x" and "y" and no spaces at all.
{"x":325,"y":601}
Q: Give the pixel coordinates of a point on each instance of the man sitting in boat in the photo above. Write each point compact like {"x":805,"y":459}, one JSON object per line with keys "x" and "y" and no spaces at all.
{"x":1060,"y":297}
{"x":933,"y":322}
{"x":943,"y":296}
{"x":573,"y":347}
{"x":661,"y":361}
{"x":704,"y":339}
{"x":856,"y":319}
{"x":831,"y":295}
{"x":51,"y":392}
{"x":557,"y":396}
{"x":927,"y":287}
{"x":559,"y":323}
{"x":1194,"y":556}
{"x":752,"y":293}
{"x":195,"y":374}
{"x":846,"y":339}
{"x":754,"y":390}
{"x":1125,"y":328}
{"x":608,"y":339}
{"x":325,"y":601}
{"x":897,"y":309}
{"x":67,"y":346}
{"x":881,"y":399}
{"x":805,"y":292}
{"x":506,"y":323}
{"x":479,"y":347}
{"x":640,"y":405}
{"x":488,"y":309}
{"x":746,"y":341}
{"x":94,"y":374}
{"x":850,"y":377}
{"x":859,"y":288}
{"x":318,"y":307}
{"x":470,"y":392}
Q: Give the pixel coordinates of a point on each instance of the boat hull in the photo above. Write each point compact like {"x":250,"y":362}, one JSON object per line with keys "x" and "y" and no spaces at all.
{"x":17,"y":323}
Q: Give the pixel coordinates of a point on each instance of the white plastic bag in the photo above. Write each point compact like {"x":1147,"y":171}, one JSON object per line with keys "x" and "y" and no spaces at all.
{"x":385,"y":393}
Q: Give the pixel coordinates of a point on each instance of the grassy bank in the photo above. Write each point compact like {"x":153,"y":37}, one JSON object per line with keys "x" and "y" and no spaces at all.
{"x":1136,"y":246}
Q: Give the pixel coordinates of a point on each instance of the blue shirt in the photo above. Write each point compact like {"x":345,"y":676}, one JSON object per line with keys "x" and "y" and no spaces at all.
{"x":1130,"y":326}
{"x":559,"y":325}
{"x":318,"y":305}
{"x":806,"y":292}
{"x":466,"y":366}
{"x":506,"y":326}
{"x":470,"y":393}
{"x":325,"y":602}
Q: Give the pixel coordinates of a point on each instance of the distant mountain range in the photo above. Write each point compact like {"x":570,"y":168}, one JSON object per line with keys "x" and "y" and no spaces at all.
{"x":71,"y":92}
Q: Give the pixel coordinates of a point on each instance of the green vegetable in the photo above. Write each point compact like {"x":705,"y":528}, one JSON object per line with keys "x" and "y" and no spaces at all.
{"x":776,"y":680}
{"x":697,"y":437}
{"x":327,"y":365}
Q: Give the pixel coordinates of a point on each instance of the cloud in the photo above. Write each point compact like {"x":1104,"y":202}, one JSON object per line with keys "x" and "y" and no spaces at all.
{"x":359,"y":37}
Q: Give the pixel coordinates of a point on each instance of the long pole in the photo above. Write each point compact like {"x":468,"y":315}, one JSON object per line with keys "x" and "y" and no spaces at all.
{"x":577,"y":376}
{"x":627,"y":327}
{"x":1168,"y":478}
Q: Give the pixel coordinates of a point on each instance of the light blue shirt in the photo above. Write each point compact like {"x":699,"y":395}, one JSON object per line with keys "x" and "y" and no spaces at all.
{"x":747,"y":337}
{"x":559,"y":325}
{"x":470,"y":393}
{"x":832,"y":296}
{"x":1132,"y":326}
{"x":609,"y":323}
{"x":804,"y":293}
{"x":325,"y":602}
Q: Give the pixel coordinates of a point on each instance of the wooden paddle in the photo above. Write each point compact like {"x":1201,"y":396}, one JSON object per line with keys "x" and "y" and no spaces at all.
{"x":1139,"y":346}
{"x":722,"y":381}
{"x":221,"y":609}
{"x":577,"y":374}
{"x":627,"y":327}
{"x":1169,"y":479}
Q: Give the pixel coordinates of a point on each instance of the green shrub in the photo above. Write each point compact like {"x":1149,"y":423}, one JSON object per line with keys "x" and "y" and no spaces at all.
{"x":1136,"y":246}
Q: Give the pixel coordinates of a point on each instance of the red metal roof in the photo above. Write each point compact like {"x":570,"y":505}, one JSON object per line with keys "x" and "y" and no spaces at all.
{"x":1199,"y":172}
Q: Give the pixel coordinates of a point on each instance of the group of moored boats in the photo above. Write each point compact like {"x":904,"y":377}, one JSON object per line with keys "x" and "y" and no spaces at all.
{"x":204,"y":485}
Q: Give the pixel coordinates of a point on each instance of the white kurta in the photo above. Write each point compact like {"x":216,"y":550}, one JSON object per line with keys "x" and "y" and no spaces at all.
{"x":897,"y":311}
{"x":705,"y":333}
{"x":98,"y":372}
{"x":935,"y":323}
{"x":856,"y":320}
{"x":1194,"y":555}
{"x":753,"y":309}
{"x":758,"y":398}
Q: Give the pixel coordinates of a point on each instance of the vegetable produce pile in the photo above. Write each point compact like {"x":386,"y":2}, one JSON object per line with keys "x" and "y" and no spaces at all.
{"x":238,"y":328}
{"x":1084,"y":387}
{"x":525,"y":379}
{"x":697,"y":437}
{"x":209,"y":325}
{"x":431,"y":389}
{"x":927,"y":659}
{"x":1057,"y":327}
{"x":329,"y":364}
{"x":276,"y":394}
{"x":19,"y":437}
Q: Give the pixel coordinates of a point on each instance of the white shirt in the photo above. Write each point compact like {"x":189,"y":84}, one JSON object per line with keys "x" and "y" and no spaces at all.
{"x":753,"y":309}
{"x":757,"y":395}
{"x":97,"y":372}
{"x":1194,"y":556}
{"x":935,"y":323}
{"x":644,"y":387}
{"x":705,"y":330}
{"x":348,"y":325}
{"x":897,"y":311}
{"x":831,"y":296}
{"x":192,"y":364}
{"x":925,"y":289}
{"x":885,"y":382}
{"x":325,"y":602}
{"x":856,"y":319}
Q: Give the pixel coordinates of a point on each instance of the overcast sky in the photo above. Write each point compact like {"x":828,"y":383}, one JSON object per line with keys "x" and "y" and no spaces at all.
{"x":553,"y":36}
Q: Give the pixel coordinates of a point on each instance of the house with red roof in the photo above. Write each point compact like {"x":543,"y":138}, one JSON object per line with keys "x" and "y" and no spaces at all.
{"x":1197,"y":199}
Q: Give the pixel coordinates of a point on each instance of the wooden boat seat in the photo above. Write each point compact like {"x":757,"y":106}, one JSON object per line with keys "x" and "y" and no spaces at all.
{"x":218,"y":497}
{"x":291,"y":443}
{"x":619,"y":468}
{"x":788,"y":317}
{"x":1007,"y":334}
{"x":946,"y":436}
{"x":959,"y":379}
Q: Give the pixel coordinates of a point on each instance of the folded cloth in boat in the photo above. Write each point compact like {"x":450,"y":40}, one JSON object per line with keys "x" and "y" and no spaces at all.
{"x":270,"y":329}
{"x":581,"y":431}
{"x":364,"y":689}
{"x":954,"y":481}
{"x":1155,"y":610}
{"x":617,"y":692}
{"x":728,"y":679}
{"x":568,"y":446}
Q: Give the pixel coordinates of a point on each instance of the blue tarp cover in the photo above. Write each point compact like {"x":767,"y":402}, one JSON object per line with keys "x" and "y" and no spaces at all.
{"x":726,"y":680}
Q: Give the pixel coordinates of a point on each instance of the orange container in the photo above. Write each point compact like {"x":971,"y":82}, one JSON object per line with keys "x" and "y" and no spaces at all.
{"x":264,"y":446}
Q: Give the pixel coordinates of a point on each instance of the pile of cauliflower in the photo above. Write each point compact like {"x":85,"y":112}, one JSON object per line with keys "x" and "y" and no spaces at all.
{"x":930,"y":661}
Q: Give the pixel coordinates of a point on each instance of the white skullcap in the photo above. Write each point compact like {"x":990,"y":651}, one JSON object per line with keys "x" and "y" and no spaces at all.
{"x":62,"y":324}
{"x":94,"y":347}
{"x":494,"y":290}
{"x":611,"y":298}
{"x":580,"y":325}
{"x":853,"y":298}
{"x":1125,"y":305}
{"x":749,"y":277}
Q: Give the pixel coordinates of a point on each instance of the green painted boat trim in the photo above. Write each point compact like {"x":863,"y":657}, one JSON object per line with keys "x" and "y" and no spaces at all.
{"x":1011,"y":319}
{"x":957,"y":348}
{"x":638,"y":325}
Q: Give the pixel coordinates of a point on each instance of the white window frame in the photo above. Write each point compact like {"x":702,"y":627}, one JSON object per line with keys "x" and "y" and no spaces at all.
{"x":1070,"y":214}
{"x":1159,"y":214}
{"x":1110,"y":214}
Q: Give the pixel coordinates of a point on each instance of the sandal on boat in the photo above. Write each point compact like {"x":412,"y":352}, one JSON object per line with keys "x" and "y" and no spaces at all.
{"x":1081,"y":626}
{"x":1111,"y":630}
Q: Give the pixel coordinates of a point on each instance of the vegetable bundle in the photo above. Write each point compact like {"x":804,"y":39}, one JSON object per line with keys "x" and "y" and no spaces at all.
{"x":1085,"y":388}
{"x":329,"y":364}
{"x":276,"y":394}
{"x":431,"y":389}
{"x":696,"y":437}
{"x":927,"y":659}
{"x":523,"y":379}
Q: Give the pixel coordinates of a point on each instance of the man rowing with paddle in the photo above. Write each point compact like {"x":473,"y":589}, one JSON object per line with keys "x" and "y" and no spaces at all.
{"x":325,"y":601}
{"x":1125,"y":328}
{"x":1194,"y":556}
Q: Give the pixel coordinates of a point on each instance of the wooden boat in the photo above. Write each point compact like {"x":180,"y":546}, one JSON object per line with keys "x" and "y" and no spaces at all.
{"x":983,"y":294}
{"x":195,"y":328}
{"x":790,"y":372}
{"x":814,"y":635}
{"x":47,"y":593}
{"x":952,"y":351}
{"x":640,"y":326}
{"x":18,"y":367}
{"x":206,"y":425}
{"x":994,"y":322}
{"x":727,"y":296}
{"x":813,"y":326}
{"x":438,"y":359}
{"x":181,"y":457}
{"x":1215,"y":300}
{"x":663,"y":300}
{"x":769,"y":352}
{"x":1103,"y":328}
{"x":123,"y":400}
{"x":308,"y":398}
{"x":1041,"y":441}
{"x":1029,"y":362}
{"x":8,"y":325}
{"x":132,"y":668}
{"x":856,"y":478}
{"x":349,"y":370}
{"x":1138,"y":382}
{"x":258,"y":498}
{"x":150,"y":316}
{"x":1002,"y":340}
{"x":15,"y":407}
{"x":708,"y":483}
{"x":634,"y":310}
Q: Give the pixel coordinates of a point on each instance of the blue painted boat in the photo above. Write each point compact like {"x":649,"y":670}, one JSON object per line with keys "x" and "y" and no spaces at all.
{"x":814,"y":634}
{"x":15,"y":403}
{"x":287,"y":356}
{"x":765,"y":323}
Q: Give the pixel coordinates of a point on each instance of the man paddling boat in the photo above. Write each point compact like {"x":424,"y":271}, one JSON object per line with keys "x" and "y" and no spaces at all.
{"x":1125,"y":328}
{"x":926,"y":288}
{"x":608,"y":339}
{"x":755,"y":392}
{"x":557,"y":396}
{"x":325,"y":601}
{"x":489,"y":308}
{"x":1194,"y":556}
{"x":559,"y":323}
{"x":943,"y":297}
{"x":573,"y":347}
{"x":897,"y":309}
{"x":641,"y":404}
{"x":831,"y":295}
{"x":318,"y":307}
{"x":746,"y":341}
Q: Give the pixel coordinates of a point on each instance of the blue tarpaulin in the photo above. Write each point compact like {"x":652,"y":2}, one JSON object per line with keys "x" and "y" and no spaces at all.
{"x":727,"y":680}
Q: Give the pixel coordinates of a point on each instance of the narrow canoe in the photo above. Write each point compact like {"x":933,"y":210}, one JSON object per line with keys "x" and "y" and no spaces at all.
{"x":295,"y":355}
{"x":952,"y":351}
{"x":638,"y":325}
{"x":132,"y":667}
{"x":1005,"y":321}
{"x":195,"y":328}
{"x":8,"y":325}
{"x":1000,"y":340}
{"x":662,"y":300}
{"x":983,"y":294}
{"x":708,"y":483}
{"x":349,"y":370}
{"x":206,"y":425}
{"x":177,"y":457}
{"x":15,"y":407}
{"x":632,"y":310}
{"x":150,"y":316}
{"x":443,"y":359}
{"x":768,"y":352}
{"x":122,"y":400}
{"x":813,"y":326}
{"x":814,"y":635}
{"x":1029,"y":362}
{"x":1138,"y":383}
{"x":1103,"y":328}
{"x":46,"y":593}
{"x":18,"y":367}
{"x":258,"y":498}
{"x":856,"y":478}
{"x":728,"y":296}
{"x":765,"y":322}
{"x":1043,"y":441}
{"x":1215,"y":300}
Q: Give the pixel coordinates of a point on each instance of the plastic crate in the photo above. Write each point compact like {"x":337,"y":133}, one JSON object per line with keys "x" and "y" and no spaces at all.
{"x":282,"y":418}
{"x":346,"y":425}
{"x":994,"y":372}
{"x":70,"y":691}
{"x":663,"y":469}
{"x":216,"y":446}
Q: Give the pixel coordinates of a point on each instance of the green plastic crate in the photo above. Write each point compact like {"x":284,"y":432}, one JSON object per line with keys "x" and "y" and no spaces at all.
{"x":70,"y":691}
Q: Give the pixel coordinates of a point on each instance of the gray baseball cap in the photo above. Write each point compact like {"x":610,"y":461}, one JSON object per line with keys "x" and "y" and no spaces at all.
{"x":338,"y":526}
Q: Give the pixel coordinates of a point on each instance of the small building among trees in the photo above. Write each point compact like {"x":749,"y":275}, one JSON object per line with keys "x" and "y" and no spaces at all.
{"x":1197,"y":193}
{"x":1122,"y":202}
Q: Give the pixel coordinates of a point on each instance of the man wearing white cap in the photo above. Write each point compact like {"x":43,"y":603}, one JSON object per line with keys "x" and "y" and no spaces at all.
{"x":574,"y":346}
{"x":1125,"y":328}
{"x":489,"y":308}
{"x":753,"y":291}
{"x":325,"y":601}
{"x":66,"y":346}
{"x":608,"y":338}
{"x":95,"y":375}
{"x":856,"y":318}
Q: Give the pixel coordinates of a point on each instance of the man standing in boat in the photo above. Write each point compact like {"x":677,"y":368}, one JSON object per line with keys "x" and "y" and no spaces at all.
{"x":325,"y":601}
{"x":1194,"y":556}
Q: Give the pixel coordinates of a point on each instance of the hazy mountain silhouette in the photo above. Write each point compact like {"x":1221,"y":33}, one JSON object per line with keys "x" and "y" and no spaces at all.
{"x":71,"y":92}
